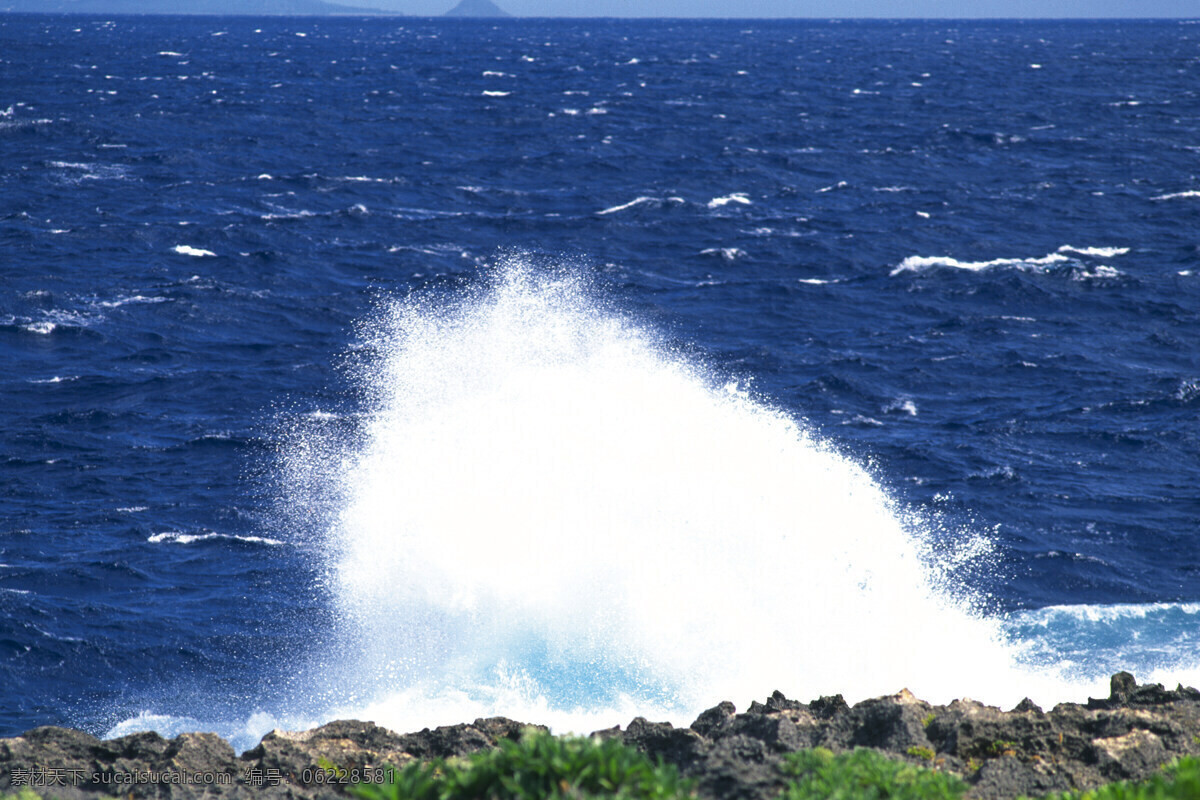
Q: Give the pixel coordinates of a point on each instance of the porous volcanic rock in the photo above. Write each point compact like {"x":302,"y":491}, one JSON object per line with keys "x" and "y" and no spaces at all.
{"x":1000,"y":754}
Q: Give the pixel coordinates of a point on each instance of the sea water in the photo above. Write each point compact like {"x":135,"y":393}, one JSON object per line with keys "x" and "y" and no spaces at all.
{"x":423,"y":370}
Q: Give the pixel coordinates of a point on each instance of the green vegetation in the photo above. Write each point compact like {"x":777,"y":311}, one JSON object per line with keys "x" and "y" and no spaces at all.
{"x":923,"y":753}
{"x":1180,"y":780}
{"x":24,"y":794}
{"x":538,"y":767}
{"x":864,"y":775}
{"x":545,"y":767}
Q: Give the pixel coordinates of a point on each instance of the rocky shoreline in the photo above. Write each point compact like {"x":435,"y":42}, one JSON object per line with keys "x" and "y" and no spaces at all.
{"x":1000,"y":754}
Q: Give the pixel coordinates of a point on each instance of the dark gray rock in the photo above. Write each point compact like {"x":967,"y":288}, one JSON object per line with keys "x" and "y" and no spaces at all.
{"x":1001,"y":755}
{"x":711,"y":722}
{"x":894,"y":723}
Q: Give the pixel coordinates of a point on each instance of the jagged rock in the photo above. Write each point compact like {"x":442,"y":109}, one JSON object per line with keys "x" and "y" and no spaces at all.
{"x":893,"y":723}
{"x":738,"y":768}
{"x":1009,"y":776}
{"x":712,"y":721}
{"x":1001,"y":755}
{"x":1135,"y":753}
{"x":661,"y":740}
{"x":828,"y":707}
{"x":1027,"y":705}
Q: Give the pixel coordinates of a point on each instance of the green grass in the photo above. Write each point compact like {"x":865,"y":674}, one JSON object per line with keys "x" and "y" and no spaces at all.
{"x":1180,"y":780}
{"x":24,"y":794}
{"x":545,"y":767}
{"x":818,"y":774}
{"x":538,"y":767}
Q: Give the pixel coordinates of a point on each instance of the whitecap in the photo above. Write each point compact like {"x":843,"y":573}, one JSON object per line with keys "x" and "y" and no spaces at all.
{"x":1178,"y":195}
{"x":132,"y":299}
{"x":487,"y":93}
{"x":302,"y":214}
{"x":727,"y":253}
{"x":1098,"y":252}
{"x":736,"y":197}
{"x":188,"y":250}
{"x":635,"y":202}
{"x":838,"y":185}
{"x":1101,"y":272}
{"x":901,"y":405}
{"x":176,"y":537}
{"x":922,"y":263}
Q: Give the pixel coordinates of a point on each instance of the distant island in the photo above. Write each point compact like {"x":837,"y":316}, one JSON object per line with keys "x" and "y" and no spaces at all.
{"x":477,"y":8}
{"x":197,"y":7}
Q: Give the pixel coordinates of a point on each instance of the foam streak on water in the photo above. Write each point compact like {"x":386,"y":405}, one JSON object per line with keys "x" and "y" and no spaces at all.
{"x":554,"y":517}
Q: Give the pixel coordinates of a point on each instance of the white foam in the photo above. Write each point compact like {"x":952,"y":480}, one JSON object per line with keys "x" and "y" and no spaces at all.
{"x":132,"y":300}
{"x":922,"y":263}
{"x":736,"y":197}
{"x":487,"y":93}
{"x":727,"y":253}
{"x":1098,"y":252}
{"x":188,"y":250}
{"x":1178,"y":195}
{"x":1101,"y":272}
{"x":902,"y":405}
{"x":635,"y":202}
{"x":551,"y":516}
{"x":302,"y":214}
{"x":1104,"y":613}
{"x":43,"y":327}
{"x":176,"y":537}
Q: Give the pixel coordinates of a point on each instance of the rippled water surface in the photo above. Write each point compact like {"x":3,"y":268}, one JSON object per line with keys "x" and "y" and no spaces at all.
{"x":424,"y":368}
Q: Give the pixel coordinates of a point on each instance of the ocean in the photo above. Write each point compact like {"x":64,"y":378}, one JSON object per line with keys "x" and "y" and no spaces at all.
{"x":417,"y":370}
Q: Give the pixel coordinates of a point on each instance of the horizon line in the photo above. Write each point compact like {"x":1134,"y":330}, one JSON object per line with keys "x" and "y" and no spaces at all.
{"x":370,"y":13}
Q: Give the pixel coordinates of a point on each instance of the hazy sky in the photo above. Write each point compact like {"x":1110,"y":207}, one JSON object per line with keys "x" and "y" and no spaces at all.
{"x":816,"y":8}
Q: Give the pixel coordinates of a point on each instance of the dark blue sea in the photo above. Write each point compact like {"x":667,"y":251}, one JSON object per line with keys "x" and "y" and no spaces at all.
{"x":415,"y":370}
